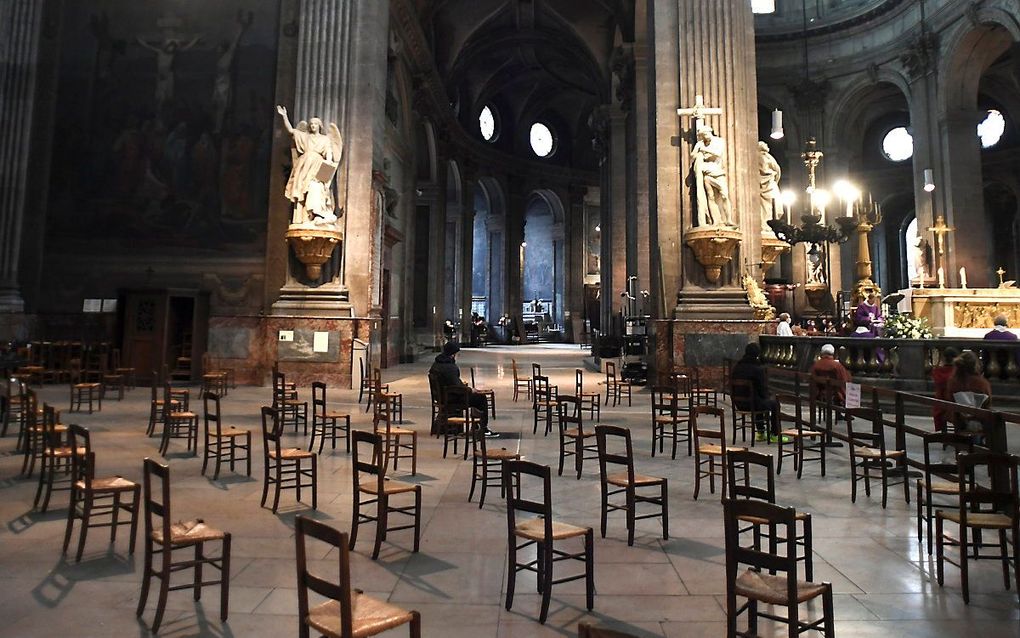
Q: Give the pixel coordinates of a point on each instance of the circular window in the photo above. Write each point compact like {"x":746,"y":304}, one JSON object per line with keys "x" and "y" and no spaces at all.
{"x":542,"y":140}
{"x":991,"y":129}
{"x":487,"y":124}
{"x":898,"y":144}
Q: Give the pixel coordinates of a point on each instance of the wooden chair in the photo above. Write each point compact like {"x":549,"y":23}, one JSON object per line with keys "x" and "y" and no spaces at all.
{"x":544,"y":405}
{"x":177,"y":425}
{"x":223,"y":443}
{"x":760,"y":583}
{"x":347,"y":612}
{"x":325,"y":421}
{"x":286,"y":402}
{"x":395,"y":445}
{"x":488,"y":393}
{"x":627,"y":482}
{"x":438,"y":407}
{"x":940,"y":477}
{"x":163,"y":537}
{"x":744,"y":416}
{"x":156,"y":405}
{"x":700,"y":393}
{"x":93,"y":497}
{"x":989,"y":502}
{"x":282,"y":466}
{"x":55,"y":458}
{"x":226,"y":375}
{"x":575,"y":441}
{"x":750,"y":475}
{"x":708,"y":453}
{"x":520,"y":382}
{"x":378,"y":387}
{"x":128,"y":373}
{"x":591,"y":401}
{"x":379,"y":491}
{"x":868,"y":452}
{"x":542,"y":532}
{"x":13,"y":404}
{"x":616,"y":386}
{"x":82,"y":391}
{"x":366,"y":382}
{"x":670,"y":418}
{"x":806,"y":443}
{"x":458,"y":418}
{"x":487,"y":465}
{"x":32,"y":434}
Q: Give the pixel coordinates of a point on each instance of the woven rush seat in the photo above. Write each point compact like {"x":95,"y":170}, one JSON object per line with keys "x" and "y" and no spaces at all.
{"x":620,"y":479}
{"x":109,"y":484}
{"x":534,"y":529}
{"x":875,"y":453}
{"x":945,"y":487}
{"x":64,"y":451}
{"x":189,"y":532}
{"x":370,"y":616}
{"x":501,"y":453}
{"x":232,"y":431}
{"x":389,"y":487}
{"x":290,"y":453}
{"x":712,"y":448}
{"x":771,"y":589}
{"x":401,"y":431}
{"x":980,"y":520}
{"x":183,"y":415}
{"x":337,"y":415}
{"x":574,"y":433}
{"x":804,"y":433}
{"x":757,"y":520}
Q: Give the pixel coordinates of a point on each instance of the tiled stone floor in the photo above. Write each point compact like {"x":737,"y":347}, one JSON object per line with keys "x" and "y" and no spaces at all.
{"x":883,"y":580}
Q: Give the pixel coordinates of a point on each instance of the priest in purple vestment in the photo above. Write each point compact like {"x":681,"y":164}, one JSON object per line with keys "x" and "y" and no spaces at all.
{"x":868,"y":316}
{"x":1001,"y":330}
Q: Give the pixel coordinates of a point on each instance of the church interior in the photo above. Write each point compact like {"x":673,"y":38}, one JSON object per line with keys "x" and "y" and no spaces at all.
{"x":590,"y":286}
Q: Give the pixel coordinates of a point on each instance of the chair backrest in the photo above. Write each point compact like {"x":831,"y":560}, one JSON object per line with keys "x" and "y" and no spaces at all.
{"x":435,"y":390}
{"x":792,"y":414}
{"x":825,"y":385}
{"x":536,"y":370}
{"x":157,"y":498}
{"x":456,"y":399}
{"x":610,"y":371}
{"x":74,"y":373}
{"x":665,"y":401}
{"x":340,"y":590}
{"x":473,"y":377}
{"x":568,"y":412}
{"x":615,"y":448}
{"x":683,"y":384}
{"x":578,"y":381}
{"x":270,"y":431}
{"x":516,"y":501}
{"x":211,"y":405}
{"x":361,"y":439}
{"x":83,"y":466}
{"x":700,"y":418}
{"x":167,"y":395}
{"x":279,"y":387}
{"x":751,"y":475}
{"x":319,"y":398}
{"x":513,"y":368}
{"x":781,"y":522}
{"x":742,"y":391}
{"x":874,"y":436}
{"x":51,"y":437}
{"x":934,"y":463}
{"x":988,"y":479}
{"x":542,"y":390}
{"x":382,"y":413}
{"x":361,"y":369}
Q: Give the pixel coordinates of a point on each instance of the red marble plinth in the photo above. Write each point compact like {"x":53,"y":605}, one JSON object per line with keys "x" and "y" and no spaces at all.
{"x":705,"y":344}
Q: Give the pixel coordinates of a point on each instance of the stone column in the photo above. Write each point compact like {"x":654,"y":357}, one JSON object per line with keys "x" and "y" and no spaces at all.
{"x":575,"y":267}
{"x":20,"y":27}
{"x":962,"y":199}
{"x":615,"y":216}
{"x":437,"y":252}
{"x":717,"y":61}
{"x":515,"y":203}
{"x":644,"y":123}
{"x":469,"y":185}
{"x":497,"y":265}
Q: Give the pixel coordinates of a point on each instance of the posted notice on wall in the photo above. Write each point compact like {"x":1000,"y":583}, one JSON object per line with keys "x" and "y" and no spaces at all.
{"x":853,"y":395}
{"x":320,"y":342}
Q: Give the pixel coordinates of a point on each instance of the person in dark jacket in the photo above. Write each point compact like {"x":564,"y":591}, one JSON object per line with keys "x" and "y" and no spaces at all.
{"x":448,"y":374}
{"x":750,"y":368}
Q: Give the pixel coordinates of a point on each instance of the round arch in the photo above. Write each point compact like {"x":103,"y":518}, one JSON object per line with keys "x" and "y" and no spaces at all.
{"x":969,"y":50}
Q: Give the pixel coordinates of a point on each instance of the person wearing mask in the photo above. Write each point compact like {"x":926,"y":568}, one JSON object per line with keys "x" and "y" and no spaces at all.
{"x":750,"y":368}
{"x":784,"y":329}
{"x":448,"y":375}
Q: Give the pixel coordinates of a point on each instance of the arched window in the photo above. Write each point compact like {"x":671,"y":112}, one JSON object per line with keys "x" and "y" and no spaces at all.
{"x":488,"y":123}
{"x":898,"y":145}
{"x":990,"y":130}
{"x":543,"y":143}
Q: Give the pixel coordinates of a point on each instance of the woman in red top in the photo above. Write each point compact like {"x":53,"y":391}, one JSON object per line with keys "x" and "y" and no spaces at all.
{"x":940,"y":377}
{"x":967,"y":378}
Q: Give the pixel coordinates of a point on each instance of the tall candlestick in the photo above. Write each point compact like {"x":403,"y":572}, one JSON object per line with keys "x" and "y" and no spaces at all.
{"x":942,"y":277}
{"x":963,"y":277}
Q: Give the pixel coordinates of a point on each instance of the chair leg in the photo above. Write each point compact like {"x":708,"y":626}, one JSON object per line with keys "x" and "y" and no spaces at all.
{"x":199,"y":557}
{"x":72,"y":507}
{"x":417,"y":518}
{"x":511,"y":572}
{"x":546,"y":579}
{"x":665,"y":510}
{"x":605,"y":509}
{"x":225,"y":578}
{"x":589,"y":569}
{"x":380,"y":524}
{"x":355,"y":521}
{"x":631,"y":523}
{"x":164,"y":589}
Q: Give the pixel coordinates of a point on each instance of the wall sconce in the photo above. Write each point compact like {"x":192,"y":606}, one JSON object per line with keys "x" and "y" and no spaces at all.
{"x":777,"y":125}
{"x":929,"y":180}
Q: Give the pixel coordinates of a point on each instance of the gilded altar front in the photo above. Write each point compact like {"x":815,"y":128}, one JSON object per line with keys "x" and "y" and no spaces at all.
{"x":963,"y":312}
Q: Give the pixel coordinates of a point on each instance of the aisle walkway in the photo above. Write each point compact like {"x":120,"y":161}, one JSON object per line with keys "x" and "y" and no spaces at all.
{"x":884,"y":582}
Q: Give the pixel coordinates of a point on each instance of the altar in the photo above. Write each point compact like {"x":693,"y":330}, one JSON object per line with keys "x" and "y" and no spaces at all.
{"x":963,"y":312}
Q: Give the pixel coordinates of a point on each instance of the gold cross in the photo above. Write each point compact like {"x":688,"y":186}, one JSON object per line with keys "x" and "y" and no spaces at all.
{"x":698,"y":111}
{"x":940,"y":229}
{"x":1000,"y":272}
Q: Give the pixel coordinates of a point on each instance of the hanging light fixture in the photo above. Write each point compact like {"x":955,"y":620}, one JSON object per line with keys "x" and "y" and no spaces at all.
{"x":929,"y":180}
{"x":777,"y":125}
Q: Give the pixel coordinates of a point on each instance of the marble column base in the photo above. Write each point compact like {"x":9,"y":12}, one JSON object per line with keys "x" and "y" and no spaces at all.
{"x":15,"y":326}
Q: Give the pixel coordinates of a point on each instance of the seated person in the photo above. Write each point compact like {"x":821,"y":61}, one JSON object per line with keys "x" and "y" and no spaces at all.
{"x":828,"y":367}
{"x":969,"y":387}
{"x":1001,"y":330}
{"x":448,"y":375}
{"x":940,"y":378}
{"x":750,"y":368}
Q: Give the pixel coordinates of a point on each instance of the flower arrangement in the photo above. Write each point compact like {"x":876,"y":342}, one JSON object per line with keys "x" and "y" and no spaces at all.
{"x":907,"y":326}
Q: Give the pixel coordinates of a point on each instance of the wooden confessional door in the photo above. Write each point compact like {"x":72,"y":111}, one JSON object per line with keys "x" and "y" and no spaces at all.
{"x":145,"y":317}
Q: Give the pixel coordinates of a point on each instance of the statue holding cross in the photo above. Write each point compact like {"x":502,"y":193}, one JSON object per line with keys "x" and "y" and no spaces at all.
{"x":708,"y":169}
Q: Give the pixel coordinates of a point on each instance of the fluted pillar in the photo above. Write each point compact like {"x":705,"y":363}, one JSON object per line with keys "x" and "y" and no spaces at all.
{"x":717,"y":61}
{"x":20,"y":25}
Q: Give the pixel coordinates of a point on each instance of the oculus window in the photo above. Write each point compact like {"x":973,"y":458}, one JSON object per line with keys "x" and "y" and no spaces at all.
{"x":898,"y":144}
{"x":487,"y":124}
{"x":991,"y":129}
{"x":542,"y":141}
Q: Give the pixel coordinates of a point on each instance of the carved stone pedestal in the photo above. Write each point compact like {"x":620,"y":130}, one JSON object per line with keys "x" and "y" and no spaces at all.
{"x":771,"y":249}
{"x":713,"y":248}
{"x":815,"y":293}
{"x":313,"y":246}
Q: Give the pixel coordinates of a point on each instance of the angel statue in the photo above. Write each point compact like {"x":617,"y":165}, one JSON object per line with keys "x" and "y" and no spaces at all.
{"x":316,"y":157}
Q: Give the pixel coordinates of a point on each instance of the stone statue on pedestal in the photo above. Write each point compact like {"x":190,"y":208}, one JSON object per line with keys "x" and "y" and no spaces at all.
{"x":316,"y":158}
{"x":769,"y":174}
{"x":711,"y":190}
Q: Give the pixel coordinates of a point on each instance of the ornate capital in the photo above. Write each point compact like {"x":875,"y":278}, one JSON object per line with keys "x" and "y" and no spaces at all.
{"x":598,"y":122}
{"x":622,"y":64}
{"x":921,"y":57}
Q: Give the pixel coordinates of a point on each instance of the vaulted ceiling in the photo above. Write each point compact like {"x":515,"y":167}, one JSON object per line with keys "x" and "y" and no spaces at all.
{"x":532,"y":60}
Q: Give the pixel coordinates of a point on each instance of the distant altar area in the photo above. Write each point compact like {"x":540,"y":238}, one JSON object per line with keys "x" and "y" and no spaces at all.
{"x":963,"y":312}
